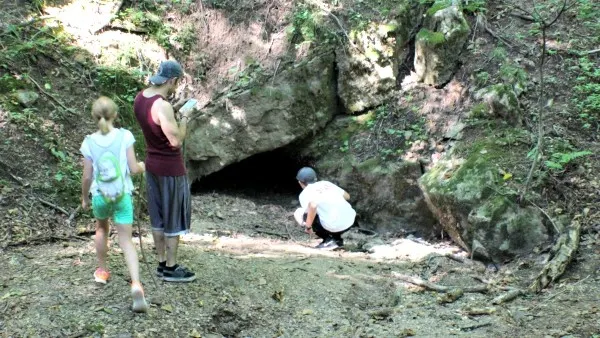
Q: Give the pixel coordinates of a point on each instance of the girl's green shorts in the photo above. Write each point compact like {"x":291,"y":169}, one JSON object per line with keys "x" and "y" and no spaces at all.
{"x":121,"y":212}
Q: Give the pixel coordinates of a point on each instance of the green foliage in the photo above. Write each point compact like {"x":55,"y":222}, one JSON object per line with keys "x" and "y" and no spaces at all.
{"x":479,"y":110}
{"x":304,"y":24}
{"x":430,"y":37}
{"x":186,"y":38}
{"x":475,"y":6}
{"x":511,"y":73}
{"x":9,"y":83}
{"x":482,"y":78}
{"x":499,"y":54}
{"x":122,"y":85}
{"x":587,"y":92}
{"x":559,"y":161}
{"x":438,"y":5}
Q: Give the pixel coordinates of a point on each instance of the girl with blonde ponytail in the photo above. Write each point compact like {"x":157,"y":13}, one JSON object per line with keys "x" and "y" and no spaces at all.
{"x":108,"y":162}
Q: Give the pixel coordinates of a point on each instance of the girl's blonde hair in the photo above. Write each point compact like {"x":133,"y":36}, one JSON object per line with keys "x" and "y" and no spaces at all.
{"x":104,"y":110}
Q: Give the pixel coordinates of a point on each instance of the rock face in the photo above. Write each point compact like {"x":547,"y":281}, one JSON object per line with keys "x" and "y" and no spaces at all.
{"x":300,"y":101}
{"x":439,"y":44}
{"x":369,"y":66}
{"x":463,"y":193}
{"x":386,"y":196}
{"x":366,"y":72}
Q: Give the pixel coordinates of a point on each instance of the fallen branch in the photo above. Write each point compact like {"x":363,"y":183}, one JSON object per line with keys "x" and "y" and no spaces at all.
{"x":73,"y":215}
{"x":475,"y":326}
{"x":507,"y":297}
{"x":56,"y":207}
{"x":44,"y":239}
{"x":271,"y":233}
{"x":50,"y":96}
{"x":523,"y":16}
{"x":593,"y":51}
{"x":547,"y":216}
{"x":561,"y":255}
{"x":439,"y":288}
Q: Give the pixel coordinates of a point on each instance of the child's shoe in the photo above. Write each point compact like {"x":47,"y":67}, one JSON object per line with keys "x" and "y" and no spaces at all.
{"x":139,"y":302}
{"x":101,"y":276}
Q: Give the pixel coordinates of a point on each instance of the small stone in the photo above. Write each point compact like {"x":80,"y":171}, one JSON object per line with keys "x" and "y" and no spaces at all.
{"x":262,"y":281}
{"x":26,"y":97}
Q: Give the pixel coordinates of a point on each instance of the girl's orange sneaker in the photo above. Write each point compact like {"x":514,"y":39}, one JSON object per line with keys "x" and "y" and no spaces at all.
{"x":101,"y":276}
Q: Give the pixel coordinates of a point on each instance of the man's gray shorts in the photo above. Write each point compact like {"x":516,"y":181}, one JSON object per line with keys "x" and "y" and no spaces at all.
{"x":169,"y":204}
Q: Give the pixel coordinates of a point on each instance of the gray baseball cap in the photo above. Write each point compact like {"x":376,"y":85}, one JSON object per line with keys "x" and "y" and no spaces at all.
{"x":307,"y":175}
{"x":167,"y":70}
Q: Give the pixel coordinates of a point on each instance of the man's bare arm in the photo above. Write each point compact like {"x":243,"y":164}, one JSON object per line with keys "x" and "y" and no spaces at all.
{"x":311,"y":213}
{"x":174,"y":132}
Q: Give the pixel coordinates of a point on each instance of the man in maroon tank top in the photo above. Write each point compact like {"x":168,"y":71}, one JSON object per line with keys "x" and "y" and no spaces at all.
{"x":169,"y":202}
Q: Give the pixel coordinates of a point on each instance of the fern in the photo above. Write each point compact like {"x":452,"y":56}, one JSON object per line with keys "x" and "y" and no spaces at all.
{"x":560,"y":160}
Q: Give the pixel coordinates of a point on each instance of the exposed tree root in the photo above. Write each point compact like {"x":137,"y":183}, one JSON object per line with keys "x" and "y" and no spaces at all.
{"x":561,"y":255}
{"x":440,"y":288}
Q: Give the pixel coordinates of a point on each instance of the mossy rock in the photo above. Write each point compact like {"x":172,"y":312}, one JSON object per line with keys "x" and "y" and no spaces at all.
{"x":465,"y":194}
{"x":501,"y":101}
{"x":440,"y":42}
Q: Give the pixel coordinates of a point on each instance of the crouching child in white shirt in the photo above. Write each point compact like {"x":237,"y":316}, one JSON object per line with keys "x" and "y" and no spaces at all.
{"x":324,"y":209}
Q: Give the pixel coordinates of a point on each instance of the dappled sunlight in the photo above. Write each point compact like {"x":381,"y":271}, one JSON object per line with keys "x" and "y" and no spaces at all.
{"x":85,"y":20}
{"x":261,"y":247}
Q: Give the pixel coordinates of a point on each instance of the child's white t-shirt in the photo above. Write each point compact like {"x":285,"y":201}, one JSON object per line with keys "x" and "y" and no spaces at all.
{"x":335,"y":213}
{"x":104,"y":141}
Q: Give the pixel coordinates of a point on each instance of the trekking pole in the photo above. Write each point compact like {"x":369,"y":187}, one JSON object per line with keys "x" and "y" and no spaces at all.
{"x":138,"y":210}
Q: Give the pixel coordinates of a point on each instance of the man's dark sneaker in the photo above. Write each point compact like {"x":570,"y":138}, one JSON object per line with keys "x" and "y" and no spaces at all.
{"x":160,"y":268}
{"x":339,"y":242}
{"x":329,"y":244}
{"x":178,"y":273}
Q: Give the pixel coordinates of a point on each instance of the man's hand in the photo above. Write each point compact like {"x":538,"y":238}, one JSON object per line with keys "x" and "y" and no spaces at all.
{"x":85,"y":203}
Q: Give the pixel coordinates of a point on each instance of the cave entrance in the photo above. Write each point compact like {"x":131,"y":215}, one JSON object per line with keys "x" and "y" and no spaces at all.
{"x":260,"y":175}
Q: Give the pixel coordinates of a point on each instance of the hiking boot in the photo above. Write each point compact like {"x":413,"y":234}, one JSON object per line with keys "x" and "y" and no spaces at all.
{"x":139,"y":301}
{"x":101,"y":276}
{"x":178,"y":273}
{"x":161,"y":268}
{"x":328,"y":244}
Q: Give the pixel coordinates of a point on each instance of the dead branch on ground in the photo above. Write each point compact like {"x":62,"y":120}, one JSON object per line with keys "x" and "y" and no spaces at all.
{"x":44,"y":239}
{"x":50,"y":96}
{"x":440,"y":288}
{"x":73,"y":215}
{"x":56,"y":207}
{"x":562,"y":253}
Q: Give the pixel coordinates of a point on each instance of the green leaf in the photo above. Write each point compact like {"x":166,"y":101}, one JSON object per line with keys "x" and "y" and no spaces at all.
{"x":553,"y":165}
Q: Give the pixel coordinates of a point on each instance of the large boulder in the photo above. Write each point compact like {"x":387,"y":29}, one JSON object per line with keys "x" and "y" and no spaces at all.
{"x":500,"y":101}
{"x":465,"y":194}
{"x":439,"y":43}
{"x":298,"y":102}
{"x":385,"y":194}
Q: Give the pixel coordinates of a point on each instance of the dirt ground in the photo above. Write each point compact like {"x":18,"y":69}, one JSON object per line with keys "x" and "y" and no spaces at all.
{"x":258,"y":276}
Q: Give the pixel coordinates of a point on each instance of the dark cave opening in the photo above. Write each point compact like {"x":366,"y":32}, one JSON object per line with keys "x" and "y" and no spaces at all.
{"x":271,"y":172}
